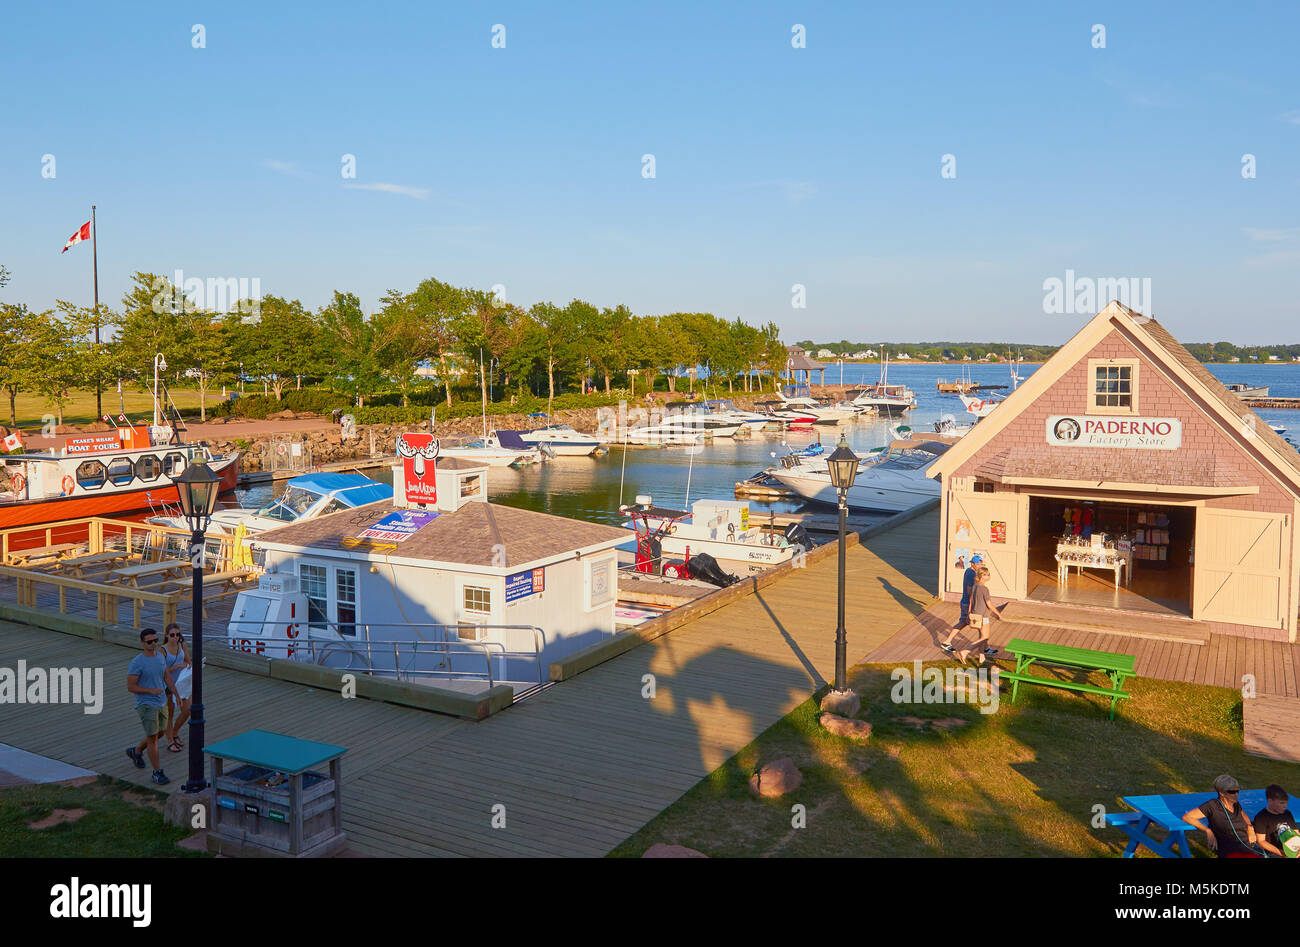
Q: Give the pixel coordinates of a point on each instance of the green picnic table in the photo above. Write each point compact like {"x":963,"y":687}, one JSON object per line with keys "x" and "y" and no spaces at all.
{"x":1116,"y":667}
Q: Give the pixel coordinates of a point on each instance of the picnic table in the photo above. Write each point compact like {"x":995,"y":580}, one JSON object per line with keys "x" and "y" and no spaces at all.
{"x":131,"y":575}
{"x":56,"y":552}
{"x":1167,"y":812}
{"x":1116,"y":667}
{"x":76,"y":567}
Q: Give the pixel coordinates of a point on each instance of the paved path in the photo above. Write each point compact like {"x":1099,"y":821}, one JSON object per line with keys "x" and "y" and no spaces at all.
{"x":578,"y":767}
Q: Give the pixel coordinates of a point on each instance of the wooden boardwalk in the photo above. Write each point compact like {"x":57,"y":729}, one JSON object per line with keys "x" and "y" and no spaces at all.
{"x":578,"y":767}
{"x":1222,"y":661}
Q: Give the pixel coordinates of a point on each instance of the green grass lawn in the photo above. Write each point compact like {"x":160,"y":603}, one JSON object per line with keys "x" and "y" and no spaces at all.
{"x":1019,"y":782}
{"x":122,"y":821}
{"x":80,"y":409}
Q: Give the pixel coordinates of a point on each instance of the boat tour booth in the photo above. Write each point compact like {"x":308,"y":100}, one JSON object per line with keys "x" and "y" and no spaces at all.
{"x":435,"y":584}
{"x":1122,"y":474}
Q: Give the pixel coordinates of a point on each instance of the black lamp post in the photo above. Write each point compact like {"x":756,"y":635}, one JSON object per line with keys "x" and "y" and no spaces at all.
{"x":198,"y":488}
{"x":843,"y":468}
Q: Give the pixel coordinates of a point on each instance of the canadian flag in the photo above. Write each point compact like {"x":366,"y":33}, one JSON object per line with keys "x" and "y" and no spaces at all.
{"x":13,"y":442}
{"x":83,"y":233}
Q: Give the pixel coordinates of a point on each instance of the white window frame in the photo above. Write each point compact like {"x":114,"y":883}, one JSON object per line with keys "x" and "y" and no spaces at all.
{"x":332,"y":571}
{"x":1134,"y":366}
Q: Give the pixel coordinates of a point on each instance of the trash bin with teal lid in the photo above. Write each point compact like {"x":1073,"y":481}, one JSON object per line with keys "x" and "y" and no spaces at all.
{"x":272,"y":795}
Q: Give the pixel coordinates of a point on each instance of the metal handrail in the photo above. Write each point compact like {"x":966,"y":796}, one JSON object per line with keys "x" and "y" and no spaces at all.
{"x":319,"y":647}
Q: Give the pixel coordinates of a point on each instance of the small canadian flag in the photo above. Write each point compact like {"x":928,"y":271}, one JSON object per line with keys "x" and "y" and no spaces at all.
{"x":83,"y":233}
{"x":14,"y":442}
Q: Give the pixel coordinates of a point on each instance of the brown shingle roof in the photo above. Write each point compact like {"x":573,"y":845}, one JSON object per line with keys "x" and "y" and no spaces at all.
{"x":1216,"y":390}
{"x":1181,"y":468}
{"x":469,"y":536}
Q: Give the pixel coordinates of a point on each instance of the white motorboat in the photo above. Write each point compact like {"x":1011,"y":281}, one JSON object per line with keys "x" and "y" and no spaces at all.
{"x":1248,"y":391}
{"x":494,"y":450}
{"x":886,"y":399}
{"x":718,"y":425}
{"x":660,"y":434}
{"x":894,"y":482}
{"x":799,"y":398}
{"x":724,"y":409}
{"x":305,"y":497}
{"x":562,"y":439}
{"x":720,"y":528}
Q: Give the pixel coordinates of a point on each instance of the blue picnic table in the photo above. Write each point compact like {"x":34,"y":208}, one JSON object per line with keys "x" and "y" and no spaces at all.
{"x":1167,"y":812}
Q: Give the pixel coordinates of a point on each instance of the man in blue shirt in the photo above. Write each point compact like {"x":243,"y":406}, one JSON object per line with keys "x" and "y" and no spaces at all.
{"x":148,"y":678}
{"x":967,"y":588}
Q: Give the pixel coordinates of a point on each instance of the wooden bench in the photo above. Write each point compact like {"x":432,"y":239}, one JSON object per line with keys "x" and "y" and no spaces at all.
{"x":1117,"y":667}
{"x":131,"y":575}
{"x":216,"y":585}
{"x":56,"y":552}
{"x":77,"y":566}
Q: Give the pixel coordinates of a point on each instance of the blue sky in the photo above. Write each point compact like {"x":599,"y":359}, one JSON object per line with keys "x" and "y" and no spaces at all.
{"x":774,"y":166}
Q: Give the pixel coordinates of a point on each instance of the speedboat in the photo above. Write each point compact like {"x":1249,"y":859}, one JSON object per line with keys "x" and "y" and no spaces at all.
{"x":693,"y":415}
{"x":562,"y":439}
{"x":726,"y":410}
{"x":660,"y":434}
{"x":886,"y":399}
{"x":305,"y":497}
{"x":785,"y":415}
{"x":979,"y":407}
{"x":893,"y":482}
{"x":799,"y":398}
{"x":500,"y":449}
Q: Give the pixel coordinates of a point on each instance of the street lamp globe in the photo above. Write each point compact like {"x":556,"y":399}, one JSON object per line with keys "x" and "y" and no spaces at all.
{"x":198,"y":488}
{"x":843,"y":465}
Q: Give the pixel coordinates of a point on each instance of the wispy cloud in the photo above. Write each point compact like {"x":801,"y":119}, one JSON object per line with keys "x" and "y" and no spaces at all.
{"x":419,"y":193}
{"x":286,"y":167}
{"x":1271,"y":234}
{"x":1292,"y":117}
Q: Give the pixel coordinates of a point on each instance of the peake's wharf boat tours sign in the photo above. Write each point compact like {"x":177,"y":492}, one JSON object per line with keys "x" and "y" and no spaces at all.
{"x":1121,"y":432}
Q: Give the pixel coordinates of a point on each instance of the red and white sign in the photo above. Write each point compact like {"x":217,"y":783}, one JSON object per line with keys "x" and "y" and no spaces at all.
{"x":419,"y":453}
{"x":1130,"y":433}
{"x":83,"y":233}
{"x":14,"y":441}
{"x":92,"y":444}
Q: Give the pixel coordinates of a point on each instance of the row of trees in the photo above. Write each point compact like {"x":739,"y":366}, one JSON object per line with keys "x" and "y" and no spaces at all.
{"x":936,"y":351}
{"x":434,"y":335}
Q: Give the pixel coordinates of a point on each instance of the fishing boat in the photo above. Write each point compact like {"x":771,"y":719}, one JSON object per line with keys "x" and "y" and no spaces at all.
{"x":719,"y":528}
{"x":1248,"y":391}
{"x":562,"y":439}
{"x":304,"y":498}
{"x":891,"y":482}
{"x":884,"y":398}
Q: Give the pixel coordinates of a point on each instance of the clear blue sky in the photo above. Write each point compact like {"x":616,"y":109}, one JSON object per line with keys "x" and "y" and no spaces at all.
{"x":775,"y":166}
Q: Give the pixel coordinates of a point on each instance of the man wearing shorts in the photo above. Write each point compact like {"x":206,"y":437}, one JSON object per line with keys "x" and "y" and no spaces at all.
{"x":967,"y":590}
{"x":148,"y":679}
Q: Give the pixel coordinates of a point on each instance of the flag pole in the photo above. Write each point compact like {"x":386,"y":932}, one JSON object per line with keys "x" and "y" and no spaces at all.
{"x":94,"y":256}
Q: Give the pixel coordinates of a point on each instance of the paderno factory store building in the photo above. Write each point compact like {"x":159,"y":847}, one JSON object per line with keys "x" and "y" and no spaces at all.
{"x":1123,"y":475}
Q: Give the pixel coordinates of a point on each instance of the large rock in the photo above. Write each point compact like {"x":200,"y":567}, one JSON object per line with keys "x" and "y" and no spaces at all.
{"x":843,"y":703}
{"x":97,"y":427}
{"x":776,"y":778}
{"x":858,"y":730}
{"x":661,"y":850}
{"x":179,"y":809}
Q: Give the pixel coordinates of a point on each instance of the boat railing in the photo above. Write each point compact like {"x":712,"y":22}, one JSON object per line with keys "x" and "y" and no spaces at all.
{"x":367,"y":647}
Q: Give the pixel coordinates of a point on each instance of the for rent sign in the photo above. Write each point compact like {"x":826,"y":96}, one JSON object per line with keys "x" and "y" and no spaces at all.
{"x":1124,"y":432}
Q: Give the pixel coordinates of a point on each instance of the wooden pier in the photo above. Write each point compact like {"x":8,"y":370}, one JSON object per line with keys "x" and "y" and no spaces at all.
{"x":1287,"y":403}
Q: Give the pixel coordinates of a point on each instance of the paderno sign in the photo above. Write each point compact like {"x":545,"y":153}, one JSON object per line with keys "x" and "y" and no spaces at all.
{"x":1082,"y":430}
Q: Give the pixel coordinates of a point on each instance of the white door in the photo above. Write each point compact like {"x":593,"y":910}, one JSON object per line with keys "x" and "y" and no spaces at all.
{"x":994,"y":525}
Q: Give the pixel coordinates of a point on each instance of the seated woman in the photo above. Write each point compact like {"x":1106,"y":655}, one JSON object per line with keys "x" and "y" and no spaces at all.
{"x":1228,"y":832}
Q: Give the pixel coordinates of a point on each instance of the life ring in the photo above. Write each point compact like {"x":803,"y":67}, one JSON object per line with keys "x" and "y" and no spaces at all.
{"x":19,"y":482}
{"x":281,"y":449}
{"x":68,"y":485}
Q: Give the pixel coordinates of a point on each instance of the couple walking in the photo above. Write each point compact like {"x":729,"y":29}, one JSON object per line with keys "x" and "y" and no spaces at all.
{"x":977,"y":610}
{"x":151,"y":677}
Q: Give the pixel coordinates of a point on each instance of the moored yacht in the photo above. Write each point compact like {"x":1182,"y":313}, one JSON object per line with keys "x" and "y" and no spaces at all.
{"x":562,"y":439}
{"x":895,"y":481}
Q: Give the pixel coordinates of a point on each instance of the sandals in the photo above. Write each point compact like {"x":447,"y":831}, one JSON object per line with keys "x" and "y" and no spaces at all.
{"x":175,"y":746}
{"x":948,"y":648}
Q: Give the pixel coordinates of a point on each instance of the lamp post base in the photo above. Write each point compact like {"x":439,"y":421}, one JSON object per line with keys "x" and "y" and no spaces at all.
{"x":846,"y":703}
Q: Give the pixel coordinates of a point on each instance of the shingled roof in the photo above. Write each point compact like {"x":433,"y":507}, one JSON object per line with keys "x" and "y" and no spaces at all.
{"x":1185,"y":469}
{"x":470,"y":536}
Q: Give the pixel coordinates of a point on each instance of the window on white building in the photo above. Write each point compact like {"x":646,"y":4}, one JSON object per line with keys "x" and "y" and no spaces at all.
{"x":315,"y":586}
{"x":345,"y":590}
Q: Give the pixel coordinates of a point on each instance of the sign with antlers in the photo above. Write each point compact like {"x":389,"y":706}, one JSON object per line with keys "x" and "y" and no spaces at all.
{"x":419,"y":453}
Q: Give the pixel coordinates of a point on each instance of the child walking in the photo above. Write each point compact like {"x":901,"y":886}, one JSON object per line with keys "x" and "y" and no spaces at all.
{"x":982,"y":611}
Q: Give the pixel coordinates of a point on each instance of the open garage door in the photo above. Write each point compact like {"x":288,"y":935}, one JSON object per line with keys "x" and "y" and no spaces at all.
{"x":1241,"y":567}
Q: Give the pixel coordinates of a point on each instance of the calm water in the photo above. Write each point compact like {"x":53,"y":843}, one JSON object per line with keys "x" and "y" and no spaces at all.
{"x":592,"y":488}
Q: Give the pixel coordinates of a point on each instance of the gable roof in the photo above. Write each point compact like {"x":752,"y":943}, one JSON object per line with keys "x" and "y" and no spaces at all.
{"x":472,"y":535}
{"x":1267,"y":446}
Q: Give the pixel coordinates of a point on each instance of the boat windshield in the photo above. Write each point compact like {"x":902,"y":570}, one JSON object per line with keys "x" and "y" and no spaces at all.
{"x":292,"y":504}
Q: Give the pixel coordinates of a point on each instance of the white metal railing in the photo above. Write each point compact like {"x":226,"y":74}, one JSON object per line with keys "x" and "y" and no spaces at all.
{"x":362,"y":646}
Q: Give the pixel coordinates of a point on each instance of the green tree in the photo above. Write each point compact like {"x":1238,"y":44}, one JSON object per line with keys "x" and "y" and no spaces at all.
{"x":349,"y":344}
{"x":279,"y":346}
{"x":20,"y":333}
{"x":555,"y":331}
{"x":62,"y":354}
